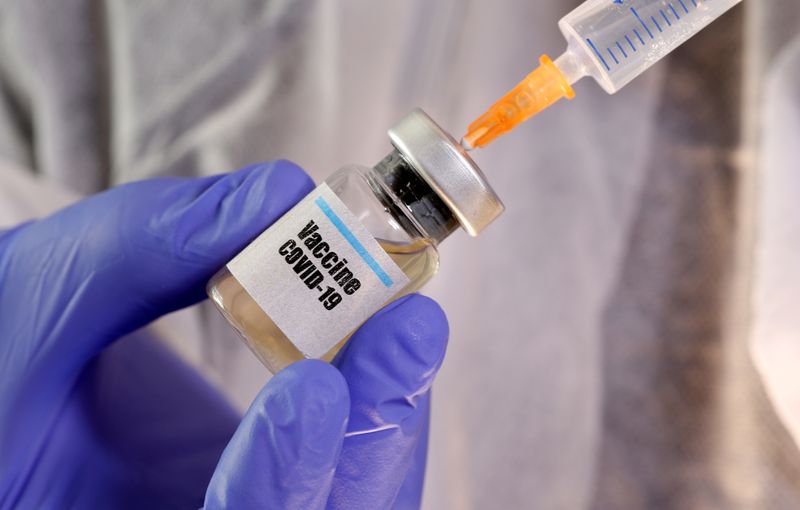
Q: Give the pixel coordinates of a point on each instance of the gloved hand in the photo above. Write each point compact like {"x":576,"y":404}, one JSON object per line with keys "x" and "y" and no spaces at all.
{"x":84,"y":424}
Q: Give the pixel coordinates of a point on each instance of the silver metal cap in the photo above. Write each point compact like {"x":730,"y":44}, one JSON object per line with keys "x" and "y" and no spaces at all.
{"x":445,"y":165}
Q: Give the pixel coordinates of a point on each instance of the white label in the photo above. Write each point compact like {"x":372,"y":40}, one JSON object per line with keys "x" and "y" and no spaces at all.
{"x":317,"y":272}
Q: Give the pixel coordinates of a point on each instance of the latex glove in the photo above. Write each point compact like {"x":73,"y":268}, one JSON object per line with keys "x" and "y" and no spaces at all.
{"x":293,"y":452}
{"x":86,"y":426}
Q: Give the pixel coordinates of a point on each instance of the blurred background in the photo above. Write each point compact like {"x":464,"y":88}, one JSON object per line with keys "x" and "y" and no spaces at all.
{"x":624,"y":337}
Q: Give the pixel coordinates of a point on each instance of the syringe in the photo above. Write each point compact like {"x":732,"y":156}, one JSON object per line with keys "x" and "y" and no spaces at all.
{"x":613,"y":41}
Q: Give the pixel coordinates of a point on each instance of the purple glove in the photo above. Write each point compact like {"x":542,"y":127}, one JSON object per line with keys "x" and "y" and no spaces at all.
{"x":85,"y":425}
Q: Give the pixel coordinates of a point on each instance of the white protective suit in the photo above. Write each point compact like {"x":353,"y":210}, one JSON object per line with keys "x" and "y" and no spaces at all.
{"x":624,"y":337}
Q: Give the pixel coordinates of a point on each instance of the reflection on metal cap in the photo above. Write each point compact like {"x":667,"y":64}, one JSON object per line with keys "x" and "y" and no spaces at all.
{"x":448,"y":169}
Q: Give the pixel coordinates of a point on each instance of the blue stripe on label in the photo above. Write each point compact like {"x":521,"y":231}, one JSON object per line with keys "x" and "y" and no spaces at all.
{"x":357,"y":246}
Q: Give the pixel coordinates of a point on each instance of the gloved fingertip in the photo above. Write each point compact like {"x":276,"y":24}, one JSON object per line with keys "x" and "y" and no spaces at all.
{"x":241,"y":205}
{"x":292,"y":182}
{"x":318,"y":394}
{"x":285,"y":451}
{"x":392,"y":360}
{"x":307,"y":405}
{"x":422,"y":326}
{"x":179,"y":232}
{"x":407,"y":337}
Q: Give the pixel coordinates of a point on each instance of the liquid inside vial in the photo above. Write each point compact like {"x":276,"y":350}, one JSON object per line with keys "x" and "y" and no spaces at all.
{"x":418,"y":259}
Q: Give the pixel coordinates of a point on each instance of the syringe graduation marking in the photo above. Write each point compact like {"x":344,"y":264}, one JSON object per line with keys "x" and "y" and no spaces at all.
{"x":631,"y":43}
{"x":608,"y":68}
{"x":633,"y":10}
{"x":656,"y":24}
{"x":641,"y":21}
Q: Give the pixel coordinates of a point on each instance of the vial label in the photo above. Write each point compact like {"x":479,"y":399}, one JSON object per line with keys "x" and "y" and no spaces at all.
{"x":317,"y":272}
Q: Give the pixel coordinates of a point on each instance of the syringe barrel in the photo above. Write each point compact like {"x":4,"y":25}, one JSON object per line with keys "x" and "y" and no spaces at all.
{"x":617,"y":40}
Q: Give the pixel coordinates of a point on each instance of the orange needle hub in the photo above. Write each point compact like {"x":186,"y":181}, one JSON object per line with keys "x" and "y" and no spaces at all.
{"x":537,"y":91}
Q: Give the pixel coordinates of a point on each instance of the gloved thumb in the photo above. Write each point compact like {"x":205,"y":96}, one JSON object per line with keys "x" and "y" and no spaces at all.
{"x":285,"y":451}
{"x":112,"y":263}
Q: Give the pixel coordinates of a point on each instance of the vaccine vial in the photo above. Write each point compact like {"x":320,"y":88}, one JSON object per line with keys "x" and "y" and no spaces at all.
{"x":364,"y":237}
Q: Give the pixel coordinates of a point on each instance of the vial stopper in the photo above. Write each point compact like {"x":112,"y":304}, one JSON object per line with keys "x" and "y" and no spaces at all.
{"x":445,"y":165}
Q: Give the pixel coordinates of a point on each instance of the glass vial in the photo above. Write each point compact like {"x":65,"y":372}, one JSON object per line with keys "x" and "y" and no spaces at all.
{"x":364,"y":237}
